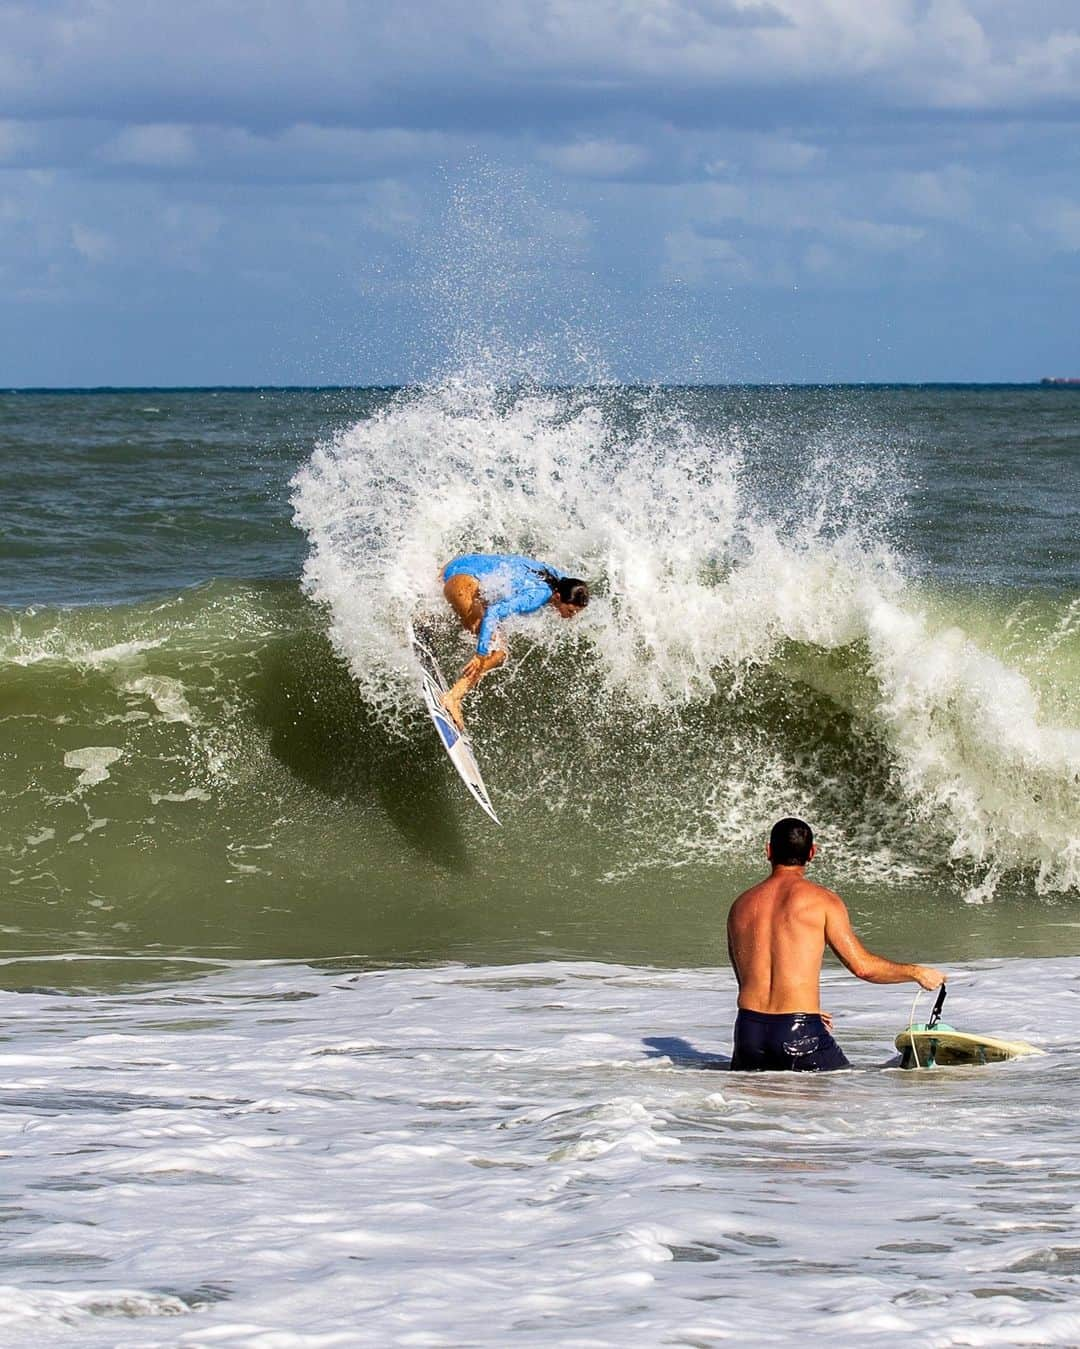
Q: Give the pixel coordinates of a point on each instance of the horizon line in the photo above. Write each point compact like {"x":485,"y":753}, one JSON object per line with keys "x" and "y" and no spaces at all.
{"x":397,"y":386}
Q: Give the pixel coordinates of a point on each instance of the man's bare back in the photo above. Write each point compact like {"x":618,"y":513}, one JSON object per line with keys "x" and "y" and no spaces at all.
{"x":777,"y":934}
{"x":776,"y":938}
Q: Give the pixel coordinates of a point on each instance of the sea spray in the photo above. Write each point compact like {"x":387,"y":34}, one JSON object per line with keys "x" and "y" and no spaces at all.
{"x":708,"y":563}
{"x":692,"y":569}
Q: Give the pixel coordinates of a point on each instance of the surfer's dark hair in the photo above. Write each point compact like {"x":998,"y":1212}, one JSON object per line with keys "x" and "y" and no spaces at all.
{"x":573,"y":590}
{"x":570,"y":589}
{"x":790,"y":843}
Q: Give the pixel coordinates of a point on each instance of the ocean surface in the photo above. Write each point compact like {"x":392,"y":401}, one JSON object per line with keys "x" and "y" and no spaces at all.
{"x":299,"y":1049}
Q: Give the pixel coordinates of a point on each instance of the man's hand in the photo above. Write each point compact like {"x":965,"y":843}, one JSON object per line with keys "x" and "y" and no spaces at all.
{"x":826,"y":1018}
{"x":929,"y":978}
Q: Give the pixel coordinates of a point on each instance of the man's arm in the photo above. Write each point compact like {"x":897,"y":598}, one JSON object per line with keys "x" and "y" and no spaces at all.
{"x":731,"y":955}
{"x":863,"y":964}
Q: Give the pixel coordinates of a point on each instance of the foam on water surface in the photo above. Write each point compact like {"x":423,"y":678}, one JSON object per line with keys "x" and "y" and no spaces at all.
{"x":94,"y":761}
{"x":537,"y":1154}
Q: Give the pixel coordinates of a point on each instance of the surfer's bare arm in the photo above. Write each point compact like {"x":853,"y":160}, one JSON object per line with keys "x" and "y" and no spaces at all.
{"x":863,"y":964}
{"x":480,"y":665}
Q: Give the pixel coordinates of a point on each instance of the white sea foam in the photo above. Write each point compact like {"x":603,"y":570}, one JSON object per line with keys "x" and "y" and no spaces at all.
{"x":28,"y":640}
{"x":697,"y":581}
{"x":94,"y":761}
{"x":192,"y":794}
{"x":272,"y":1155}
{"x":167,"y":696}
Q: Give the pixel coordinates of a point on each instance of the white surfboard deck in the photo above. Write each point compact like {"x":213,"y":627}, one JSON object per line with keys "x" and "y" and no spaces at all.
{"x":944,"y":1047}
{"x":457,"y":744}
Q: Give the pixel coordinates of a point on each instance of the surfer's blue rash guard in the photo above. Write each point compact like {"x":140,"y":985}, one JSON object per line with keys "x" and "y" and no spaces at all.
{"x":509,"y":584}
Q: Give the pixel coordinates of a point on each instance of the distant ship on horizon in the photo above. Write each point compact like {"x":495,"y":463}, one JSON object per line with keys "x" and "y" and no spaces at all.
{"x":1057,"y":380}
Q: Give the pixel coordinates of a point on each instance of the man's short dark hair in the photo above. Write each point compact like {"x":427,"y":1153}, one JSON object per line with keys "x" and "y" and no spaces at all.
{"x":573,"y":590}
{"x":790,"y":843}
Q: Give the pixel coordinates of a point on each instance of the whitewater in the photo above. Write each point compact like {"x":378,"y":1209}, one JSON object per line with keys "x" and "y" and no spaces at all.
{"x":539,"y":1154}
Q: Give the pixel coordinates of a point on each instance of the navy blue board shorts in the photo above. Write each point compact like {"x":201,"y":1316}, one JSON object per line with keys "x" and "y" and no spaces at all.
{"x":794,"y":1042}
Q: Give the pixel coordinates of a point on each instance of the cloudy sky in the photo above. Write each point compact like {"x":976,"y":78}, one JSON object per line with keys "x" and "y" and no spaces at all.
{"x":306,"y":191}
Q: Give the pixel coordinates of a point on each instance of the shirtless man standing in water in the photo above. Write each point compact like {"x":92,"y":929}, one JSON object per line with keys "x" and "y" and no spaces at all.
{"x":777,"y":934}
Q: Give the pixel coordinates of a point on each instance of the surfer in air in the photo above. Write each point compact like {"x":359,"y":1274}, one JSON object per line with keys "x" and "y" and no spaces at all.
{"x":483,"y":589}
{"x":777,"y":934}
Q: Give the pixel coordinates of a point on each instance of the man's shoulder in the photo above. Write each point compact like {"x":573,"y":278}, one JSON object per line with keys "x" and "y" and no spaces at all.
{"x":749,"y":894}
{"x":819,"y":900}
{"x":811,"y":889}
{"x":802,"y":894}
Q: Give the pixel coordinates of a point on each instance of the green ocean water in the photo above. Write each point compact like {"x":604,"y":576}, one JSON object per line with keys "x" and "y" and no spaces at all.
{"x":862,"y":605}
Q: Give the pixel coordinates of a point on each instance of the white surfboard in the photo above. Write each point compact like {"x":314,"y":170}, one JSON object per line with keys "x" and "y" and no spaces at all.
{"x":457,"y":744}
{"x":943,"y":1047}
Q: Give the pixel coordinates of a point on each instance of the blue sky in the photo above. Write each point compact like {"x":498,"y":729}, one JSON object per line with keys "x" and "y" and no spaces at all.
{"x":285,"y":191}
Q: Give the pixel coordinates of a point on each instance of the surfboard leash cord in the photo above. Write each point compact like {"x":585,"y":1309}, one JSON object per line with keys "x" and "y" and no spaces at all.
{"x":911,"y":1023}
{"x":935,"y":1017}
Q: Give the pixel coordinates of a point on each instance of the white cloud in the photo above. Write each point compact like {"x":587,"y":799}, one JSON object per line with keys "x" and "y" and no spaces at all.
{"x":819,"y":260}
{"x":306,"y":143}
{"x":945,"y":194}
{"x":300,"y":152}
{"x":875,"y":236}
{"x":784,"y":154}
{"x":720,"y":142}
{"x":595,"y":158}
{"x":93,"y":245}
{"x":1051,"y":63}
{"x":185,"y":233}
{"x":694,"y":258}
{"x":15,"y":138}
{"x":392,"y":208}
{"x":162,"y":145}
{"x":1060,"y":220}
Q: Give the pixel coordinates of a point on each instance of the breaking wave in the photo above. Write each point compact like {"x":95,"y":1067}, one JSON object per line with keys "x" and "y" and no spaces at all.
{"x":754,"y":644}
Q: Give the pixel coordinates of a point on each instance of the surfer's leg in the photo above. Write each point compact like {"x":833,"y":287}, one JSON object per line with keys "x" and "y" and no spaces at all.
{"x":463,"y":596}
{"x":476,"y":669}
